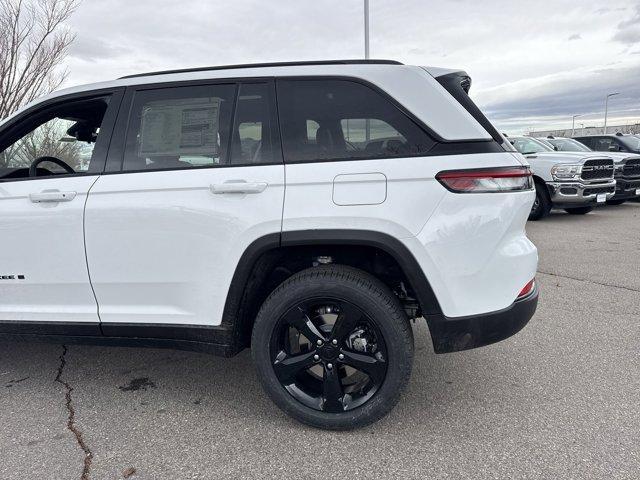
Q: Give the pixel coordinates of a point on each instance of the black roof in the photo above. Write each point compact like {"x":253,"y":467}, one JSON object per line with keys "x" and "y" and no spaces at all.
{"x":263,"y":65}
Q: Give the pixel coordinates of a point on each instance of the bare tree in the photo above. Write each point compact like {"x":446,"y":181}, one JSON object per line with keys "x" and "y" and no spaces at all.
{"x":33,"y":43}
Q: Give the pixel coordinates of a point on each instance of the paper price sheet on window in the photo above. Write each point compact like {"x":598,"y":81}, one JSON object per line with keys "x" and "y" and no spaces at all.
{"x":181,"y":127}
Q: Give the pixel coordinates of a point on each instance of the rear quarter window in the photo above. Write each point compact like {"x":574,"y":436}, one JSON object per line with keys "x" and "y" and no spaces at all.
{"x":325,"y":120}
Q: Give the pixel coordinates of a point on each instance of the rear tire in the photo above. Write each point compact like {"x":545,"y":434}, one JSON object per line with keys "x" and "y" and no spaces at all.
{"x":616,"y":202}
{"x":321,"y":329}
{"x":542,"y":204}
{"x":578,"y":210}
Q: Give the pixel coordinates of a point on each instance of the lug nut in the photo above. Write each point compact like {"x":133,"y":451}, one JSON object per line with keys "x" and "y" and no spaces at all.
{"x":316,"y":357}
{"x":341,"y":357}
{"x":334,"y":341}
{"x":319,"y":342}
{"x":329,"y":366}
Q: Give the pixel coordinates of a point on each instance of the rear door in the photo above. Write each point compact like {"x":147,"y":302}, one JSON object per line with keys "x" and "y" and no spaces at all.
{"x":196,"y":175}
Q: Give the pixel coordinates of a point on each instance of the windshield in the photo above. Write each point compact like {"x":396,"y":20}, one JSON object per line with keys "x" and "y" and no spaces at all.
{"x":631,"y":142}
{"x":527,"y":145}
{"x":568,"y":145}
{"x":546,"y":143}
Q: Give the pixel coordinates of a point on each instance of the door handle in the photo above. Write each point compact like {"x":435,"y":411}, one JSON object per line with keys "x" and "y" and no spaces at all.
{"x":239,"y":186}
{"x":52,"y":196}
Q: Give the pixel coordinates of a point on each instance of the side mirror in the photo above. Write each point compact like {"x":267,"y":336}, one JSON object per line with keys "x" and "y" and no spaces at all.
{"x":614,"y":148}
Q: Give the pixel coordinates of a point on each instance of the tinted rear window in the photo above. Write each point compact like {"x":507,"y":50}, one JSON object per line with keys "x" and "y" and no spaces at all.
{"x":343,"y":120}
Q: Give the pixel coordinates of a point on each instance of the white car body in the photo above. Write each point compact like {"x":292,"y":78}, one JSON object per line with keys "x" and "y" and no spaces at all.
{"x":161,"y":248}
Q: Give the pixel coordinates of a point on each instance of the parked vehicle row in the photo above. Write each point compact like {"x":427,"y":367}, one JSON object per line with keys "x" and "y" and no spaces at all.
{"x":569,"y":175}
{"x":627,"y":162}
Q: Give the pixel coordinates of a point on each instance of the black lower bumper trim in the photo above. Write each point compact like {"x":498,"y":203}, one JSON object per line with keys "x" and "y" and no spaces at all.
{"x":463,"y":333}
{"x":624,"y":195}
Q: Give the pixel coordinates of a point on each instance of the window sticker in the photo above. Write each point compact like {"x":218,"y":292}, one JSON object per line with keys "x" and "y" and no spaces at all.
{"x":180,"y":127}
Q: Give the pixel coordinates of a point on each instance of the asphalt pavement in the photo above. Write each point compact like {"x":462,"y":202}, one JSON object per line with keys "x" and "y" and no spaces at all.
{"x":561,"y":399}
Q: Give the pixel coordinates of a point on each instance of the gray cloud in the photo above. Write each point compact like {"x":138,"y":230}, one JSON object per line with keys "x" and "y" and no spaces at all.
{"x":563,"y":97}
{"x":629,"y":30}
{"x":575,"y":36}
{"x":519,"y":57}
{"x":95,"y":50}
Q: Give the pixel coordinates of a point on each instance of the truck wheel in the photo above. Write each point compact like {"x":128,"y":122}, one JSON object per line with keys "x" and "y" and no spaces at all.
{"x":333,"y":347}
{"x":578,"y":210}
{"x":616,"y":202}
{"x":542,"y":204}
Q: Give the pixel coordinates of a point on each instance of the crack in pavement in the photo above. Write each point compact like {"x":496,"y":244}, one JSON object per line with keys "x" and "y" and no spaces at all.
{"x":602,"y":284}
{"x":88,"y":456}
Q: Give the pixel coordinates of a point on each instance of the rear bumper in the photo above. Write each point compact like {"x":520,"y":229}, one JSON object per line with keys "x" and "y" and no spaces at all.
{"x":463,"y":333}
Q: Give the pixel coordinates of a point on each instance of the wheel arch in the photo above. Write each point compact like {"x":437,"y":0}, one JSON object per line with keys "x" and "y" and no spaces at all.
{"x":261,"y":269}
{"x":539,"y":179}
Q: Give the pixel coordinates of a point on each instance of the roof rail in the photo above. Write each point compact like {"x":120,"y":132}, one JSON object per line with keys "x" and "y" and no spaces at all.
{"x":264,"y":65}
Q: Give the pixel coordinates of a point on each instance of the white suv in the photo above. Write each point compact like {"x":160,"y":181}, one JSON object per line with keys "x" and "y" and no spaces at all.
{"x":250,"y":206}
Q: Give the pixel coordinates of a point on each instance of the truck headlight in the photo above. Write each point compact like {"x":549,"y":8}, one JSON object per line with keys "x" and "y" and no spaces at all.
{"x":566,"y":172}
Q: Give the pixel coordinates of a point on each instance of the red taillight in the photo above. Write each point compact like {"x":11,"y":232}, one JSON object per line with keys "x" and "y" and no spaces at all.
{"x":487,"y":180}
{"x":528,"y":288}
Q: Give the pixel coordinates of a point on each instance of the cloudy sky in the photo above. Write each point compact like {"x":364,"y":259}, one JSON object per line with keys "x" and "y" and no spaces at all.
{"x":533,"y":64}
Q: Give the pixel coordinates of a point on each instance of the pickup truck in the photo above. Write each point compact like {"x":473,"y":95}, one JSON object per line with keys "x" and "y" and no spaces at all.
{"x":627,"y":167}
{"x":572,"y":181}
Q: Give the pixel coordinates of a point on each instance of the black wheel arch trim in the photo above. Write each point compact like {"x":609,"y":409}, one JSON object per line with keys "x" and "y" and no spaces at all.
{"x":391,"y":245}
{"x":234,"y":316}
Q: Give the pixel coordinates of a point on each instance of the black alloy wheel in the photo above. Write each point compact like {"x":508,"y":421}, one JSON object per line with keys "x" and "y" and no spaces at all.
{"x":328,"y":355}
{"x":333,"y":347}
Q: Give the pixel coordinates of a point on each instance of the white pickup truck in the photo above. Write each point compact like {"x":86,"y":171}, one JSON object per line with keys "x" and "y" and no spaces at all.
{"x":627,"y":172}
{"x":573,"y":181}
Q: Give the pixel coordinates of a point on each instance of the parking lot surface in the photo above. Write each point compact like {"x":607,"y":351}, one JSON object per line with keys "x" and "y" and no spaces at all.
{"x":561,"y":399}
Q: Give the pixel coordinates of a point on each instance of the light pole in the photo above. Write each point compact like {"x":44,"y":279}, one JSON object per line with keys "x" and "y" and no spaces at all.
{"x":366,"y":29}
{"x":573,"y":124}
{"x":606,"y":107}
{"x":582,"y":127}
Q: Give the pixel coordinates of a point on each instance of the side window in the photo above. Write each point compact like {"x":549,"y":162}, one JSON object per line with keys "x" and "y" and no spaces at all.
{"x":254,"y":129}
{"x":602,"y":144}
{"x":344,"y":120}
{"x":588,"y":141}
{"x":619,"y":146}
{"x":66,"y":134}
{"x":179,"y":127}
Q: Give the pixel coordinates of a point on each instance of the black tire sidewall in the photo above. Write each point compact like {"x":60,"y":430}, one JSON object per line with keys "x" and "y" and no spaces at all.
{"x":544,"y":203}
{"x":376,"y":301}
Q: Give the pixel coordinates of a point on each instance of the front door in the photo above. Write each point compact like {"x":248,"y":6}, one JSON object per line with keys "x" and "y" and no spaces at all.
{"x":200,"y":178}
{"x":49,"y":159}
